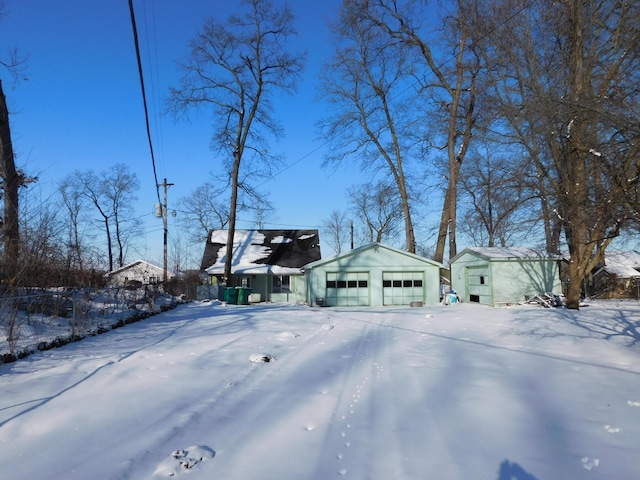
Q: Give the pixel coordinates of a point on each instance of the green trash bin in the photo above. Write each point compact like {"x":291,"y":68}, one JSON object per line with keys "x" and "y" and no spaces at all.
{"x":231,"y":295}
{"x":243,"y":295}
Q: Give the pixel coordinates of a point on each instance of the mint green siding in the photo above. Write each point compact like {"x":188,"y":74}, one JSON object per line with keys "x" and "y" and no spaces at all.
{"x":373,"y":275}
{"x":493,"y":277}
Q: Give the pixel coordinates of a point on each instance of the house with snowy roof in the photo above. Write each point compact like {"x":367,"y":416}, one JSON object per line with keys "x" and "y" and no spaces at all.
{"x":269,"y":262}
{"x":498,"y":275}
{"x":619,"y":277}
{"x":146,"y":273}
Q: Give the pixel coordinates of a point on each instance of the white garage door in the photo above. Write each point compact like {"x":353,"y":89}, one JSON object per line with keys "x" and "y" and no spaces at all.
{"x":402,"y":288}
{"x":347,"y":289}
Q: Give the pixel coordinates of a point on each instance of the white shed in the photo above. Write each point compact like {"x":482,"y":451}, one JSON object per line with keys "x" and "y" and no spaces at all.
{"x":138,"y":271}
{"x":495,"y":275}
{"x":374,"y":275}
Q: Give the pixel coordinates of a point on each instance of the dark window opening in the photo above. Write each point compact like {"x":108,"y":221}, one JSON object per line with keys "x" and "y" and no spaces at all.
{"x":474,"y":298}
{"x":342,"y":284}
{"x":481,"y":280}
{"x":397,"y":283}
{"x":352,"y":284}
{"x":331,"y":284}
{"x":386,"y":283}
{"x":363,"y":283}
{"x":408,"y":283}
{"x":417,"y":283}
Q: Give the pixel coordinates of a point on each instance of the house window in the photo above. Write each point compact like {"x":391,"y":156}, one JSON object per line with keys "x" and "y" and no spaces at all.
{"x":245,"y":282}
{"x":281,"y":284}
{"x":153,"y":280}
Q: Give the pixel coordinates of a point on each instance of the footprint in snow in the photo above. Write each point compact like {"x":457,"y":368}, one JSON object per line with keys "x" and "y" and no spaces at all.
{"x":590,"y":463}
{"x":261,"y":358}
{"x":182,"y":461}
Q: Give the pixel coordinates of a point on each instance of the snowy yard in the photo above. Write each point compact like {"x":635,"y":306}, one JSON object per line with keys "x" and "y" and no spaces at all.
{"x":270,"y":392}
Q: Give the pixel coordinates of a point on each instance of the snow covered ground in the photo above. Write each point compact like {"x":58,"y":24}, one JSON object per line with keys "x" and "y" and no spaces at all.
{"x":265,"y":392}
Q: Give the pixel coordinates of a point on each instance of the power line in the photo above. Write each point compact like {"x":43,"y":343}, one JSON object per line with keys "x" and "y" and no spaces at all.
{"x":144,"y":96}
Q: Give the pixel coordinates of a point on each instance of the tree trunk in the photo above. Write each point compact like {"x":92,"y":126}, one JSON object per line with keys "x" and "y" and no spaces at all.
{"x":232,"y":215}
{"x":10,"y":185}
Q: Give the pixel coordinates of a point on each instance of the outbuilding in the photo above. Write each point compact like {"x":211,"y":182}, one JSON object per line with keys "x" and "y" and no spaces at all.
{"x":373,"y":275}
{"x":497,"y":275}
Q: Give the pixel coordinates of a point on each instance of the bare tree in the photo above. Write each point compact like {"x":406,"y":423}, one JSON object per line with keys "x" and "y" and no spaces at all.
{"x":11,"y":177}
{"x":372,"y":118}
{"x":448,"y":89}
{"x":336,"y":230}
{"x":235,"y":68}
{"x":378,"y":208}
{"x":112,"y":193}
{"x":203,"y":210}
{"x":500,"y":202}
{"x":566,"y":78}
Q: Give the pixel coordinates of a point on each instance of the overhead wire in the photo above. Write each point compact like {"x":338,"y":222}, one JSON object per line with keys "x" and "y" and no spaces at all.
{"x":144,"y":96}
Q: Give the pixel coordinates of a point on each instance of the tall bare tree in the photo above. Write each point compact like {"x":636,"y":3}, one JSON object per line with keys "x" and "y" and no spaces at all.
{"x":372,"y":117}
{"x":235,"y":68}
{"x":566,"y":77}
{"x":11,"y":177}
{"x":448,"y":88}
{"x":112,"y":193}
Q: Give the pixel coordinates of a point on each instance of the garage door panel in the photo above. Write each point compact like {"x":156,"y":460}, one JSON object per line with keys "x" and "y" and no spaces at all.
{"x":402,"y":288}
{"x":347,"y":289}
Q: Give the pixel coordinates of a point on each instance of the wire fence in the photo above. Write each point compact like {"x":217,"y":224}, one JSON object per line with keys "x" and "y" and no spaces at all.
{"x":41,"y":320}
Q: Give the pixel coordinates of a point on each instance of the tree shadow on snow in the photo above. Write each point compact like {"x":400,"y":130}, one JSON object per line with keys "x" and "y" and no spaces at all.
{"x":513,"y":471}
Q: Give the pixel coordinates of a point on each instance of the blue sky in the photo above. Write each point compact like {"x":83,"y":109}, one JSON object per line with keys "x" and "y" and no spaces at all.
{"x":81,"y":107}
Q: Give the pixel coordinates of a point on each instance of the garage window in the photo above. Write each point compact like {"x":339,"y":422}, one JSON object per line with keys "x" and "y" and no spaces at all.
{"x":347,"y":288}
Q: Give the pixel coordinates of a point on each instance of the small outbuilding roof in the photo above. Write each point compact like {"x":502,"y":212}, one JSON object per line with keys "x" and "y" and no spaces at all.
{"x":279,"y":252}
{"x":507,"y":253}
{"x":622,"y":264}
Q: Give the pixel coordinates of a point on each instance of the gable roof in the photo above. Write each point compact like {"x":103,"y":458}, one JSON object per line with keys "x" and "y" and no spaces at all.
{"x":622,"y":264}
{"x":507,"y":253}
{"x":369,"y":246}
{"x":138,"y":263}
{"x":280,"y":252}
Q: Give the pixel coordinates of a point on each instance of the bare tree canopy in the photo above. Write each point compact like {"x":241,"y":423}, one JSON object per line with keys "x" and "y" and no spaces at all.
{"x":566,"y":85}
{"x":234,"y":70}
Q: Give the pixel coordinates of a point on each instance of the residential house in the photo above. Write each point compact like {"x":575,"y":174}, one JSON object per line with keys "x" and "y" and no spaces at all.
{"x":269,"y":262}
{"x":146,"y":273}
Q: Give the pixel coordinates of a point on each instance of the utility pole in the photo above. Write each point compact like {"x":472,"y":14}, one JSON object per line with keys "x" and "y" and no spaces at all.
{"x":166,"y":228}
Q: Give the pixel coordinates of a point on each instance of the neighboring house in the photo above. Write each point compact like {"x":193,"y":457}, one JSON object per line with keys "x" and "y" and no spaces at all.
{"x":139,"y":271}
{"x":269,"y":262}
{"x":494,"y":275}
{"x":375,"y":275}
{"x":619,"y":277}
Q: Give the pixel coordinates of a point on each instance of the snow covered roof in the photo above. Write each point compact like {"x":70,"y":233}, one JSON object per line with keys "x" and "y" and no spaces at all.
{"x":261,"y":252}
{"x":622,"y":264}
{"x":137,"y":264}
{"x":369,"y":246}
{"x":505,"y":253}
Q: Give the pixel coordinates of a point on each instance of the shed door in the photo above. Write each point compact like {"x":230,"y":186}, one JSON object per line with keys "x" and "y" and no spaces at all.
{"x":402,"y":288}
{"x":347,"y":289}
{"x":479,"y":284}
